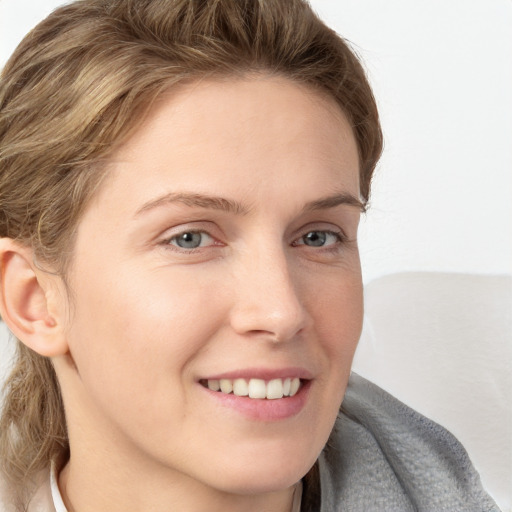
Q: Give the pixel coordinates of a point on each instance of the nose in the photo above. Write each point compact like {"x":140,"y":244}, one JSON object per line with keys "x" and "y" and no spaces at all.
{"x":267,"y":302}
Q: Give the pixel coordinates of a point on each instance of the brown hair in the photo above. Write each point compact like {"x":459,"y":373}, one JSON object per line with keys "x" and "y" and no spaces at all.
{"x":75,"y":87}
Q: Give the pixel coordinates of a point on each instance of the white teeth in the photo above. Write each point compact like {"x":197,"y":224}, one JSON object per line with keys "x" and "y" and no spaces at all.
{"x":294,"y":387}
{"x":257,"y":388}
{"x":275,"y":389}
{"x":214,"y":385}
{"x":226,"y":386}
{"x":286,"y":387}
{"x":240,"y":387}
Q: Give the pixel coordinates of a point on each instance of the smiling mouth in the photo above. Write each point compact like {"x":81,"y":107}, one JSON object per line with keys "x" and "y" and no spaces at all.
{"x":255,"y":388}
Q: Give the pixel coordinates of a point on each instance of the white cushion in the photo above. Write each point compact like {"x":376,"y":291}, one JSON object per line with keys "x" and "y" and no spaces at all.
{"x":442,"y":343}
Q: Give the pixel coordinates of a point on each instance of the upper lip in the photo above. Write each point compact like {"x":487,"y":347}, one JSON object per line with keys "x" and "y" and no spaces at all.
{"x":263,"y":373}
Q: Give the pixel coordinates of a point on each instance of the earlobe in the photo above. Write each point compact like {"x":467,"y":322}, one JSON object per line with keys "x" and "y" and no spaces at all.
{"x":24,"y":297}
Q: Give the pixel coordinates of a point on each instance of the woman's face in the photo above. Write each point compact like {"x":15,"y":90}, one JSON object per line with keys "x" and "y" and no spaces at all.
{"x":220,"y":250}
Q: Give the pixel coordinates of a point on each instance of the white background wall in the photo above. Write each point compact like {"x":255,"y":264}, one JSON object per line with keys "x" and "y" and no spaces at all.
{"x":442,"y":73}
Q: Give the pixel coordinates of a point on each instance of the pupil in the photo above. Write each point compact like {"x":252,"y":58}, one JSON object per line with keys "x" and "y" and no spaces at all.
{"x":315,"y":238}
{"x":189,"y":240}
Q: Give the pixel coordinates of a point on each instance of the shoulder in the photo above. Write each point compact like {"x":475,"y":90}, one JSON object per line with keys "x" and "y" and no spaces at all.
{"x":383,"y":456}
{"x":41,"y":500}
{"x":7,"y":502}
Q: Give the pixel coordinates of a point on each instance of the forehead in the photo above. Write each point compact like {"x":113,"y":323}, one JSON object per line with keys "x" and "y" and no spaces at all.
{"x":210,"y":132}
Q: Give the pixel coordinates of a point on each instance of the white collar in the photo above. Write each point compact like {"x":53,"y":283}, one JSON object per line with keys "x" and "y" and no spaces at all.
{"x":297,"y":497}
{"x":56,"y":495}
{"x":58,"y":503}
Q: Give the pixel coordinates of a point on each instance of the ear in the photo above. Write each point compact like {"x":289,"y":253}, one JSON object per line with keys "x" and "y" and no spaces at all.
{"x":29,"y":302}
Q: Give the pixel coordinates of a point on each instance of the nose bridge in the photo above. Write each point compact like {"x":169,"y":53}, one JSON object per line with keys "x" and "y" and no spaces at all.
{"x":268,"y":301}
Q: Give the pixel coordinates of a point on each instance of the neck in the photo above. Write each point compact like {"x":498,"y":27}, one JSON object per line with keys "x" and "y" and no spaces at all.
{"x":96,"y":491}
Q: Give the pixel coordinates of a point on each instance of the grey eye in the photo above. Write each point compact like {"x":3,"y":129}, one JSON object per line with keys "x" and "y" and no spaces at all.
{"x":315,"y":238}
{"x":320,"y":239}
{"x":190,"y":240}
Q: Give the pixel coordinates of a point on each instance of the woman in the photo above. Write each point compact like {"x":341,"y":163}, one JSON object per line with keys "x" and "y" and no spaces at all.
{"x":181,"y":189}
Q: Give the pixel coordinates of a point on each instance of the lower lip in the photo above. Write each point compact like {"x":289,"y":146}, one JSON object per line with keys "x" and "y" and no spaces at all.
{"x":263,"y":409}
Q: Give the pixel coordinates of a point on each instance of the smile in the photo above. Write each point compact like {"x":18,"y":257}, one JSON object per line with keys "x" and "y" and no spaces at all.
{"x":255,"y":388}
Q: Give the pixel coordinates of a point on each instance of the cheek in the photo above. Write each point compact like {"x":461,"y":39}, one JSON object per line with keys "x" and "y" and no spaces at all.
{"x":338,"y":316}
{"x":136,"y":331}
{"x":336,"y":304}
{"x":337,"y":311}
{"x":346,"y":315}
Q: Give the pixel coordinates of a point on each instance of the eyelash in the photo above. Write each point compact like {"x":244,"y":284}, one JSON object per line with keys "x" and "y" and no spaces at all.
{"x":339,"y":236}
{"x":168,"y":241}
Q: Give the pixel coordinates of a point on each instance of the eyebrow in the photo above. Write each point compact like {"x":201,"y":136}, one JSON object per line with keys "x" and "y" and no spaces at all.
{"x":232,"y":206}
{"x":197,"y":200}
{"x":335,"y":200}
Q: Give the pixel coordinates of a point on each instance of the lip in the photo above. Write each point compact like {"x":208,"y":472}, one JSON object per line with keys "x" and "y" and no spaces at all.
{"x":263,"y":373}
{"x":262,"y":410}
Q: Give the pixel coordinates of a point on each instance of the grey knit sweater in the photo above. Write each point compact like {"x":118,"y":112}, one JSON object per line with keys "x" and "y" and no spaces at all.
{"x":383,"y":456}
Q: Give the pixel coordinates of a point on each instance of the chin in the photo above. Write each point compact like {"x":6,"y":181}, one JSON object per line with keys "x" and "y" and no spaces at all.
{"x":274,"y":473}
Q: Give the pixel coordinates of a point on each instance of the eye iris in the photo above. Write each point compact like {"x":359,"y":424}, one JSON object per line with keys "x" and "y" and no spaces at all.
{"x":315,"y":238}
{"x":189,"y":240}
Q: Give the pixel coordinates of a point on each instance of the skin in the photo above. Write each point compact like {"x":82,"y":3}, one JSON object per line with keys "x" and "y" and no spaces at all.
{"x":148,"y":318}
